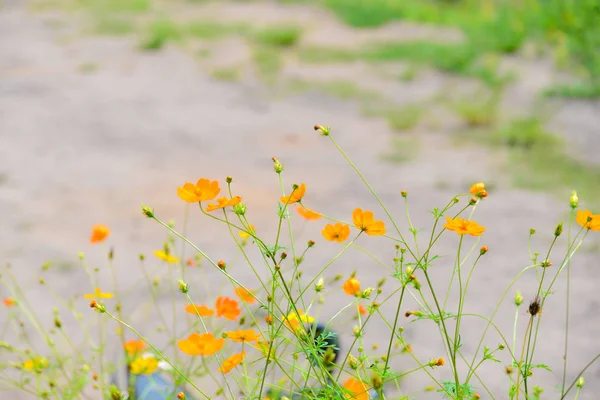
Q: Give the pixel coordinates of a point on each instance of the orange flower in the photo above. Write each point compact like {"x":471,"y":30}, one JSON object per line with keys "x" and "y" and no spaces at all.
{"x":365,"y":221}
{"x":336,"y":233}
{"x":588,"y":220}
{"x":203,"y":190}
{"x":295,"y":196}
{"x":133,"y":347}
{"x":202,"y":310}
{"x":99,"y":233}
{"x":477,"y":188}
{"x":9,"y":301}
{"x":356,"y":389}
{"x":232,"y":362}
{"x":362,"y":310}
{"x":241,"y":335}
{"x":246,"y":235}
{"x":307,"y":214}
{"x":227,"y":308}
{"x":352,"y":287}
{"x":168,"y":257}
{"x":245,"y":295}
{"x":98,"y":294}
{"x":462,"y":226}
{"x":200,"y":345}
{"x":223,"y":202}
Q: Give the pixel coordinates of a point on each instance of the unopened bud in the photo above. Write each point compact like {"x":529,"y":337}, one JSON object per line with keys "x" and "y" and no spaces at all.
{"x":319,"y":285}
{"x":483,"y":250}
{"x":353,"y":362}
{"x":323,"y":129}
{"x":580,"y":382}
{"x":221,"y":264}
{"x":181,"y":396}
{"x":311,"y":243}
{"x":277,"y":166}
{"x":518,"y":299}
{"x":376,"y":381}
{"x":229,"y":179}
{"x":404,"y":193}
{"x":147,"y":211}
{"x":239,"y":209}
{"x":532,"y":231}
{"x":183,"y":287}
{"x":558,"y":230}
{"x":574,"y":200}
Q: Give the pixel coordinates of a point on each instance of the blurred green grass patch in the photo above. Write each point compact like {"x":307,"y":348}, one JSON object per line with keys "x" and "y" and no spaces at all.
{"x":279,"y":36}
{"x":209,"y":29}
{"x":159,"y":32}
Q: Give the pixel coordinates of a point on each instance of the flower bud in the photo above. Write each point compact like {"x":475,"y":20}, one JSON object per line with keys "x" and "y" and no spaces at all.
{"x":518,"y":299}
{"x":319,"y":285}
{"x":239,"y":209}
{"x":183,"y":287}
{"x":532,"y":231}
{"x":310,"y":243}
{"x":277,"y":166}
{"x":221,"y":264}
{"x":376,"y":381}
{"x":229,"y":179}
{"x":353,"y":362}
{"x":483,"y":250}
{"x":404,"y":193}
{"x":147,"y":211}
{"x":580,"y":382}
{"x":323,"y":129}
{"x":574,"y":200}
{"x":558,"y":230}
{"x":181,"y":396}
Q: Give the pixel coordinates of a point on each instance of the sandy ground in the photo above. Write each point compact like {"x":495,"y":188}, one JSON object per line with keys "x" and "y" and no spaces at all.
{"x":78,"y":149}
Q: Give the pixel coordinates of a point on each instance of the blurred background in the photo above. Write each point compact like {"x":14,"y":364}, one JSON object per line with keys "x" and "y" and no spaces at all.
{"x":107,"y":104}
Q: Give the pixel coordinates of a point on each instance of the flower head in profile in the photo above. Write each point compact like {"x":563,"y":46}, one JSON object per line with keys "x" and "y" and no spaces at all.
{"x":167,"y":257}
{"x":203,"y":190}
{"x":198,"y":309}
{"x":588,"y":220}
{"x":245,"y":295}
{"x":232,"y":362}
{"x":98,"y":294}
{"x":9,"y":301}
{"x":352,"y":287}
{"x":478,"y":189}
{"x":365,"y":221}
{"x":243,"y":335}
{"x":293,"y":320}
{"x":462,"y":226}
{"x":35,"y":364}
{"x":200,"y":345}
{"x":308,"y":214}
{"x":227,"y":308}
{"x":223,"y":202}
{"x":296,"y":195}
{"x":356,"y":390}
{"x":134,"y":347}
{"x":246,"y":235}
{"x":336,"y":233}
{"x":99,"y":233}
{"x":144,"y":365}
{"x":362,"y":310}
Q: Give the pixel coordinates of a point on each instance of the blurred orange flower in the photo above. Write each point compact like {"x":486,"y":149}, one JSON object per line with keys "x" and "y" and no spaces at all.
{"x":202,"y":310}
{"x":232,"y":362}
{"x":200,"y":345}
{"x":336,"y":233}
{"x":168,"y":257}
{"x":223,"y":202}
{"x":99,"y":233}
{"x":356,"y":389}
{"x":9,"y":301}
{"x":246,"y":235}
{"x":352,"y":287}
{"x":588,"y":220}
{"x":98,"y":294}
{"x":133,"y":347}
{"x":308,"y":214}
{"x":241,"y":335}
{"x":477,"y":189}
{"x":462,"y":226}
{"x":365,"y":221}
{"x":203,"y":190}
{"x":362,"y":309}
{"x":295,"y":196}
{"x":245,"y":295}
{"x":227,"y":308}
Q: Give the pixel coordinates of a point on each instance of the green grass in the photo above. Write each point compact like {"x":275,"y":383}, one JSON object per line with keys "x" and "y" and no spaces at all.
{"x":268,"y":62}
{"x":403,"y":149}
{"x":226,"y":74}
{"x":479,"y":110}
{"x":112,"y":25}
{"x":88,"y":68}
{"x":401,"y":118}
{"x":279,"y":36}
{"x":160,"y":32}
{"x":116,"y":6}
{"x":209,"y":29}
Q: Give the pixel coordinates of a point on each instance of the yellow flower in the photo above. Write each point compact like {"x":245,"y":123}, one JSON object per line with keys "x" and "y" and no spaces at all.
{"x":203,"y":190}
{"x":98,"y":294}
{"x":246,"y":235}
{"x":462,"y":226}
{"x":223,"y":202}
{"x":241,"y":335}
{"x":144,"y":365}
{"x":365,"y":221}
{"x":293,"y":322}
{"x":588,"y":220}
{"x":99,"y":233}
{"x":477,"y":188}
{"x":356,"y":389}
{"x":336,"y":233}
{"x":307,"y":214}
{"x":295,"y":196}
{"x":352,"y":287}
{"x":232,"y":362}
{"x":169,"y":258}
{"x":35,"y":364}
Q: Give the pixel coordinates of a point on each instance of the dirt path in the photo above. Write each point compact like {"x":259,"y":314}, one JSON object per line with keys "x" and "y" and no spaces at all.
{"x":79,"y":149}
